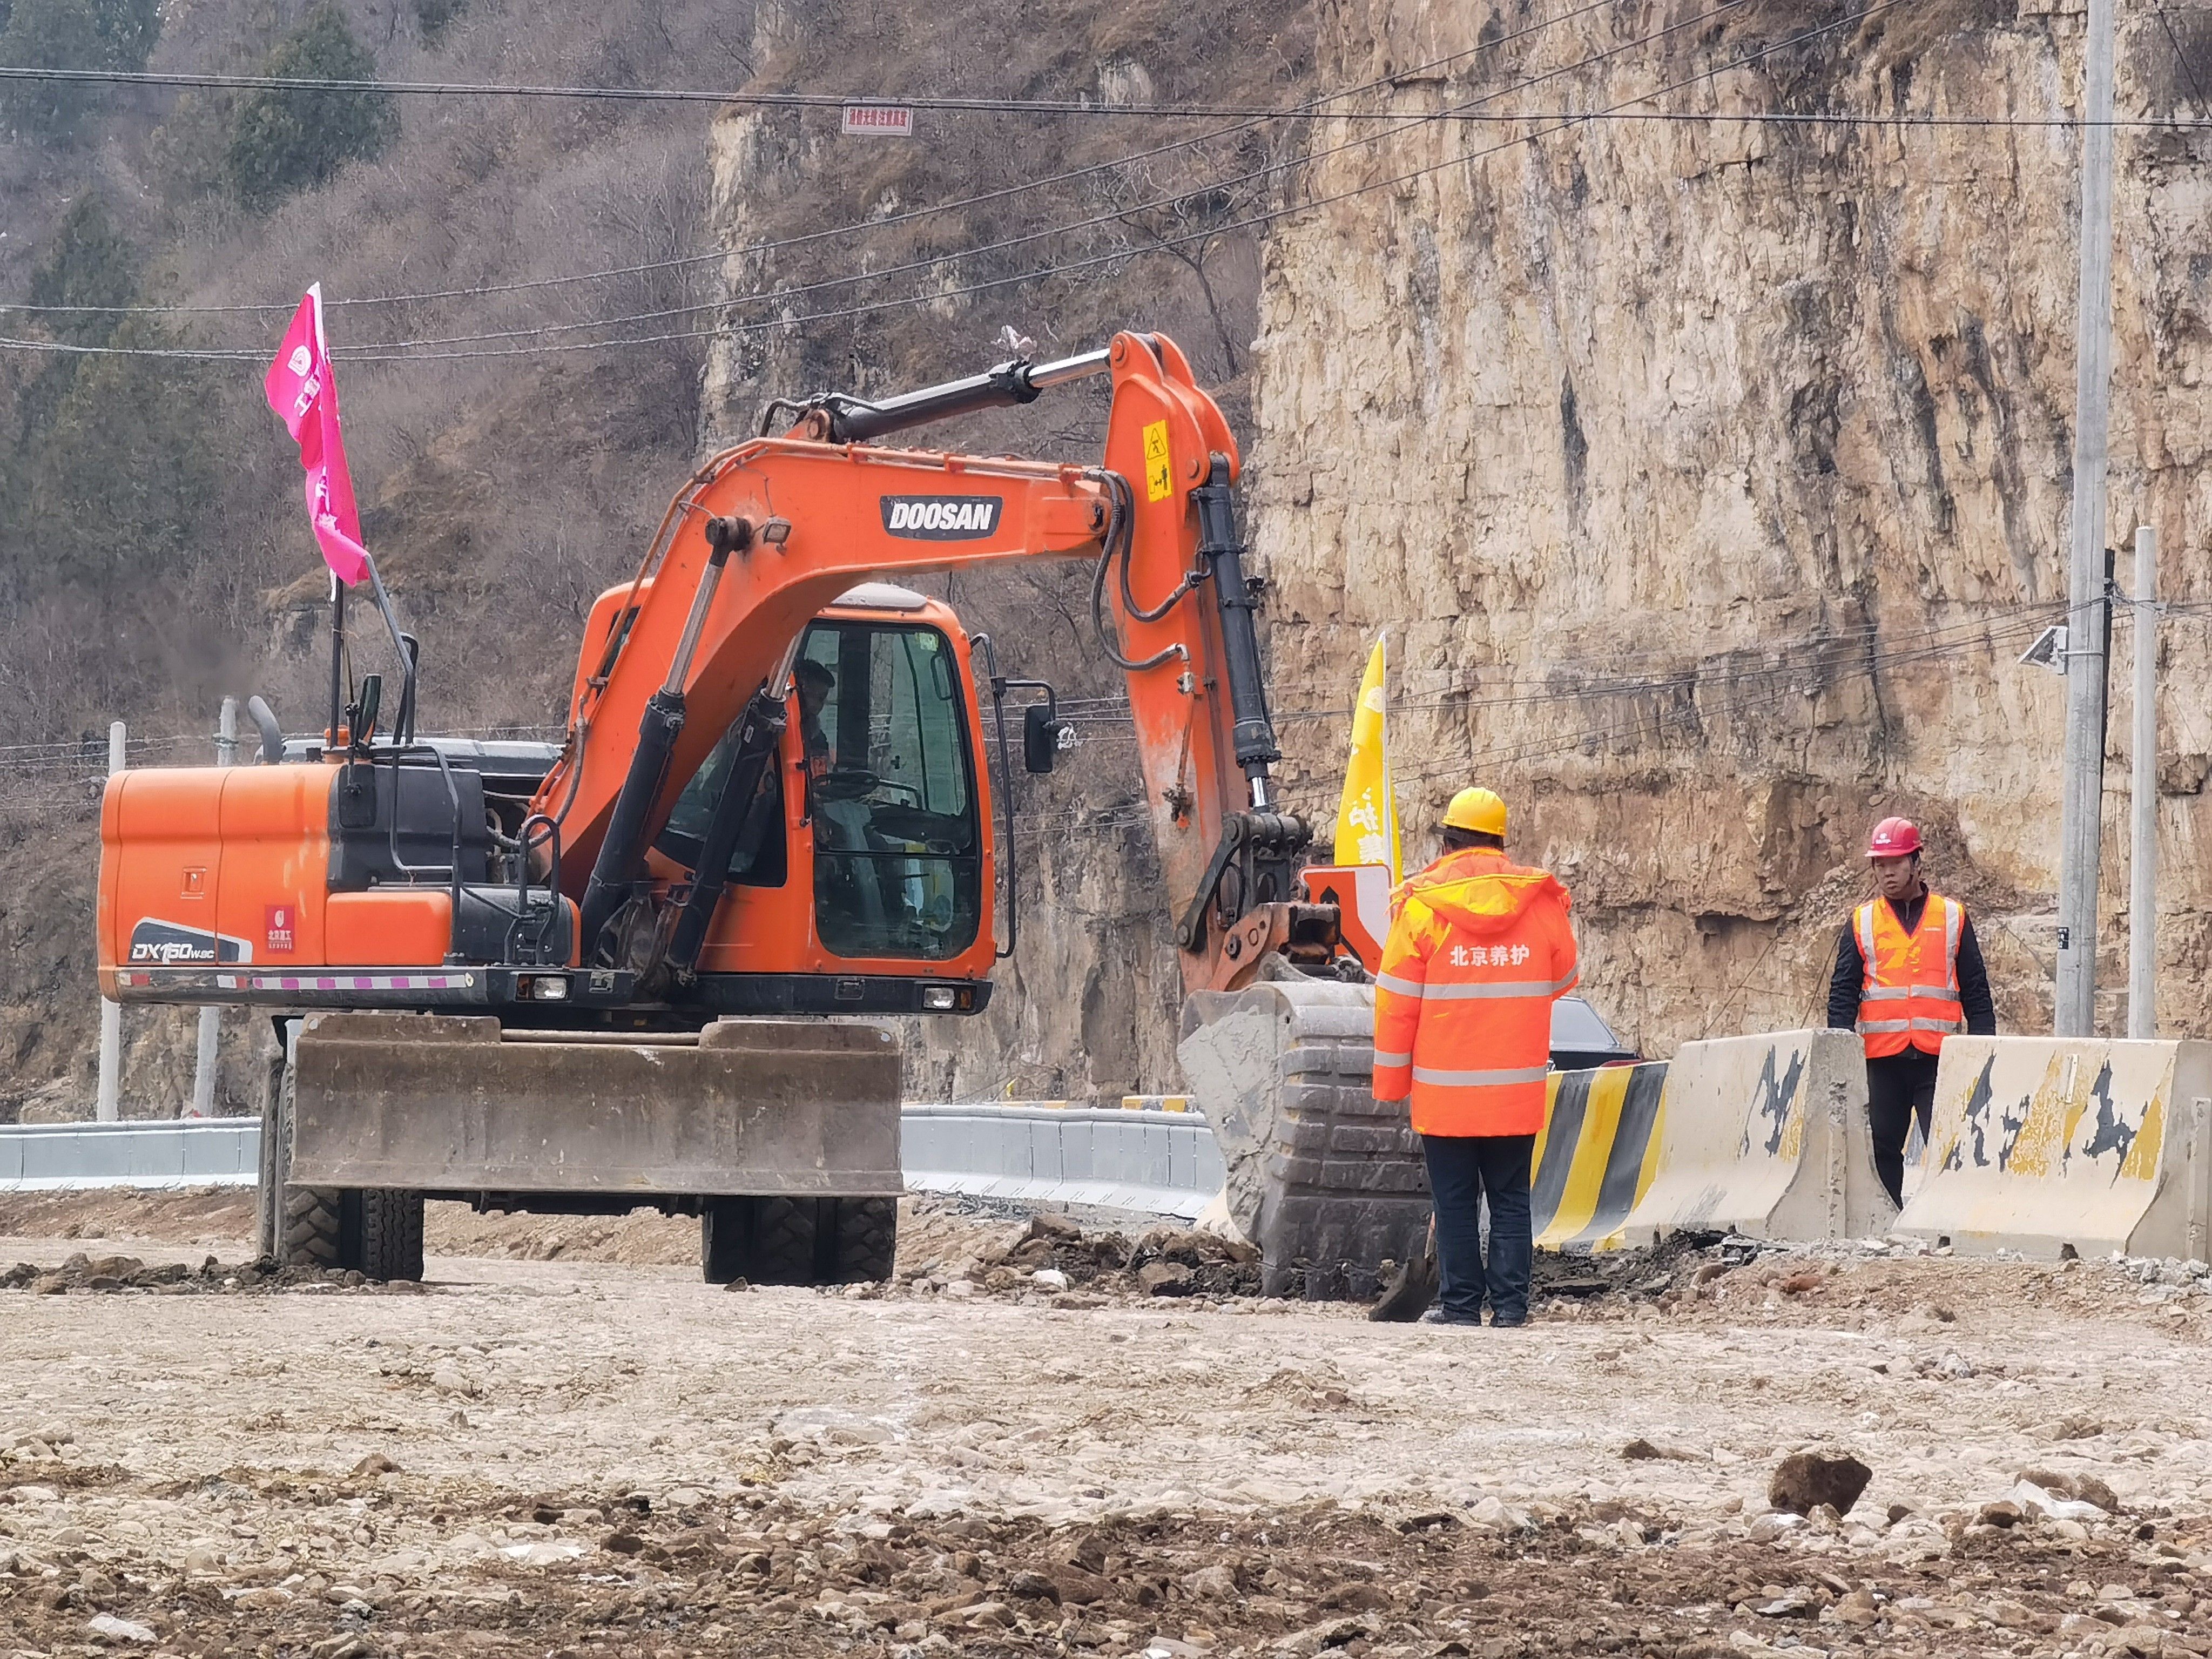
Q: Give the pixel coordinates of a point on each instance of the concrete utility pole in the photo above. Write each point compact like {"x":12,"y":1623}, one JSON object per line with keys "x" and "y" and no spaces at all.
{"x":2142,"y":799}
{"x":2074,"y":1006}
{"x":108,"y":1106}
{"x":203,"y":1066}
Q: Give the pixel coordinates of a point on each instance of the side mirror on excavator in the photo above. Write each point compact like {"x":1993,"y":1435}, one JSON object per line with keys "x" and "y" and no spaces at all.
{"x":1043,"y":734}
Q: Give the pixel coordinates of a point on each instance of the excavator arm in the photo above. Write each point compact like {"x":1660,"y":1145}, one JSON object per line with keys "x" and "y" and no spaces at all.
{"x":770,"y":532}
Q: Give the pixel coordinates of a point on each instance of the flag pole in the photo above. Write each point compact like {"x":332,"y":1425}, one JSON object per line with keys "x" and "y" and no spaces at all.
{"x":1382,"y":743}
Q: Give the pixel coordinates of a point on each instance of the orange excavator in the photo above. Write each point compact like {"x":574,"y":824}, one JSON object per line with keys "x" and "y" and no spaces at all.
{"x":585,"y":978}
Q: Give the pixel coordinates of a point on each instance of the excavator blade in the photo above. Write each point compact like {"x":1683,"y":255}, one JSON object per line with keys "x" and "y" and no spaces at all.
{"x":1328,"y":1181}
{"x":446,"y":1104}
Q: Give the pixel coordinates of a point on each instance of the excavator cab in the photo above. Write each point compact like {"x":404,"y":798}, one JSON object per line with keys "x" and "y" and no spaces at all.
{"x":874,"y":818}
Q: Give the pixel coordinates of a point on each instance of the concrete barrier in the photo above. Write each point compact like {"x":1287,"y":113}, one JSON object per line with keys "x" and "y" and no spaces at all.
{"x":1766,"y":1136}
{"x":2043,"y":1145}
{"x":1163,"y":1161}
{"x":1594,"y":1159}
{"x":220,"y":1151}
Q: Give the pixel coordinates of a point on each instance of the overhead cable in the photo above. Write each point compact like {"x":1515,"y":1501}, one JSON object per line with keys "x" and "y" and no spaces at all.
{"x":863,"y":226}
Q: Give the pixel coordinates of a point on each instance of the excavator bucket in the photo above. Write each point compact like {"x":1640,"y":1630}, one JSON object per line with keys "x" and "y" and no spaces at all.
{"x":1326,"y":1181}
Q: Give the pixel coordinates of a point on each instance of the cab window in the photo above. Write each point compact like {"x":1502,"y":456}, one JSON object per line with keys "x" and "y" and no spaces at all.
{"x":760,"y":858}
{"x":891,"y":791}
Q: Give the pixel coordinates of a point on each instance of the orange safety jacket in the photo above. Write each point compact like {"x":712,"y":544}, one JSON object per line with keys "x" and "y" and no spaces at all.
{"x":1910,"y":998}
{"x":1479,"y":950}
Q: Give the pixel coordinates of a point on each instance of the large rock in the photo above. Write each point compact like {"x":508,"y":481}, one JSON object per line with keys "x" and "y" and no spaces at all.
{"x":1804,"y":1480}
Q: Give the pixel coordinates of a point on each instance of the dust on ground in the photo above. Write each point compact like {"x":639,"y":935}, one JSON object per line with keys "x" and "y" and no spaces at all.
{"x":567,"y":1454}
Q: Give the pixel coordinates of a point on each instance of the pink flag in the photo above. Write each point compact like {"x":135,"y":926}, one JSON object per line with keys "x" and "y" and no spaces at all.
{"x":303,"y":389}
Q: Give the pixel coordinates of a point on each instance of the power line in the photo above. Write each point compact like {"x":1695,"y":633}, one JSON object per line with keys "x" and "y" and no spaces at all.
{"x":865,"y":225}
{"x":1716,"y":665}
{"x":1698,"y":706}
{"x":1692,"y":709}
{"x":799,"y":101}
{"x":401,"y":351}
{"x":2182,"y":58}
{"x":1159,"y":244}
{"x":1562,"y":117}
{"x":1406,"y":122}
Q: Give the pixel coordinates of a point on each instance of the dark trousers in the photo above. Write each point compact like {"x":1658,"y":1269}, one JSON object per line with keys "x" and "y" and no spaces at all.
{"x":1464,"y":1169}
{"x":1899,"y":1088}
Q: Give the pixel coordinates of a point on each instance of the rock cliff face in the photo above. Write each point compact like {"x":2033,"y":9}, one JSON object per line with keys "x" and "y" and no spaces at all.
{"x":1708,"y":474}
{"x":1711,"y":474}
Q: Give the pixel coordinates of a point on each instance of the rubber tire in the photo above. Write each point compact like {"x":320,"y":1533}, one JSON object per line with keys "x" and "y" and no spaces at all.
{"x":382,"y":1230}
{"x":722,"y":1223}
{"x":762,"y":1240}
{"x":864,"y":1233}
{"x":797,"y":1241}
{"x":781,"y":1246}
{"x":310,"y":1222}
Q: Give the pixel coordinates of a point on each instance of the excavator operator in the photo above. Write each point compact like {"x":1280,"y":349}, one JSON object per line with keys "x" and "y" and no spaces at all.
{"x":814,"y":684}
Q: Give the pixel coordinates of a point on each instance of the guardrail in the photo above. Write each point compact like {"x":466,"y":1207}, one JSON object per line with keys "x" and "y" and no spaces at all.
{"x":1133,"y":1158}
{"x":1127,"y":1159}
{"x":215,"y":1151}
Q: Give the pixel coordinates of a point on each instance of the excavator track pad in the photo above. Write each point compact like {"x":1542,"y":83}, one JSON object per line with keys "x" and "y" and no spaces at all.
{"x":1325,"y":1179}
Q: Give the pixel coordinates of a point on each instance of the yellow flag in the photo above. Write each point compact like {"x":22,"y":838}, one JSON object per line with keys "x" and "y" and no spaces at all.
{"x":1367,"y":821}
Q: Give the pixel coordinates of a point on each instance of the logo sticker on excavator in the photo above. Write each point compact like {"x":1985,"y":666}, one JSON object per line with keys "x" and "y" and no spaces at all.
{"x":172,"y":944}
{"x":942,"y":518}
{"x":1159,"y":476}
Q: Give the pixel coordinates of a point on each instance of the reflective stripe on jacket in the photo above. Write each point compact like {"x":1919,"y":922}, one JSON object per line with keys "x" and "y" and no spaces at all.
{"x":1479,"y":950}
{"x":1909,"y":999}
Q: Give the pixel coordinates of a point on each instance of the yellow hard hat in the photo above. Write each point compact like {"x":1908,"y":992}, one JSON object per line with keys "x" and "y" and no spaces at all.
{"x":1476,"y":810}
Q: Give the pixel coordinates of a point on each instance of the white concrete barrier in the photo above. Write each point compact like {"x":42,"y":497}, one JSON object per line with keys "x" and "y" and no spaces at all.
{"x":2041,"y":1144}
{"x":1765,"y":1136}
{"x":1163,"y":1162}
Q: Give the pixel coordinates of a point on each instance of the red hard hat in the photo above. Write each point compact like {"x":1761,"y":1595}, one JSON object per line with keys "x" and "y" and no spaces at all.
{"x":1893,"y":838}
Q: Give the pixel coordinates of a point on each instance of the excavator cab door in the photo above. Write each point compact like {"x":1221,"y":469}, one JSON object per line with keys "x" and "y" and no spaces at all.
{"x":891,"y":790}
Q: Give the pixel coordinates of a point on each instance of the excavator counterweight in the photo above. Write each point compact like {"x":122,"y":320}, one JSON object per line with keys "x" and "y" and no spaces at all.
{"x":605,"y":972}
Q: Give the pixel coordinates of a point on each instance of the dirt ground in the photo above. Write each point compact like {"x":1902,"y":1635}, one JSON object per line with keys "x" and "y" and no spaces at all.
{"x":567,"y":1443}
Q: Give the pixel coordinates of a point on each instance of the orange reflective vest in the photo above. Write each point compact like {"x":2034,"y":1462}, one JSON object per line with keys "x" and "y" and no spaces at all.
{"x":1479,"y":950}
{"x":1910,"y":996}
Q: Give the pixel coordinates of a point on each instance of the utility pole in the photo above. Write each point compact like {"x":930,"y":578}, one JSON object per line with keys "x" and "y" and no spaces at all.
{"x":203,"y":1066}
{"x":2142,"y":799}
{"x":2075,"y":1004}
{"x":108,"y":1107}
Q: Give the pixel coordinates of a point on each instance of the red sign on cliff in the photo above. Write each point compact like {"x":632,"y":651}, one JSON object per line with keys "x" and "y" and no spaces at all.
{"x":878,"y":121}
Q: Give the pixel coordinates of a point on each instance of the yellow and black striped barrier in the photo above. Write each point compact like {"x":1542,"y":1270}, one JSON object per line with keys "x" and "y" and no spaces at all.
{"x":1594,"y":1156}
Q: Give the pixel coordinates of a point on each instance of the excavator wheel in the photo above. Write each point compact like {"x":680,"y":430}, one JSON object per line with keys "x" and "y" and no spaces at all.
{"x":380,"y":1231}
{"x":377,"y":1230}
{"x":865,"y":1236}
{"x":1326,"y":1179}
{"x":308,"y":1224}
{"x":797,"y":1241}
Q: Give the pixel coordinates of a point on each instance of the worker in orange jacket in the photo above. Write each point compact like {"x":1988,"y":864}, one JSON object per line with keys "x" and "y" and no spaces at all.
{"x":1908,"y":972}
{"x":1479,"y":950}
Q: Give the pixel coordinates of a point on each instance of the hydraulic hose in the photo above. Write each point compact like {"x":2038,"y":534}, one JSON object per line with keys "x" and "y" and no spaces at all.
{"x":1120,"y":531}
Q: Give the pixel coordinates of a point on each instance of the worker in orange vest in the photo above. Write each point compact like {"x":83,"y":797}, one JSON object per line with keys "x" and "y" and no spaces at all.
{"x":1479,"y":950}
{"x":1908,"y":972}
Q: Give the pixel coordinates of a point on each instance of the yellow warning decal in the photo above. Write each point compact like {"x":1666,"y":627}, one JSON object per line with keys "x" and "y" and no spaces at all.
{"x":1158,"y":474}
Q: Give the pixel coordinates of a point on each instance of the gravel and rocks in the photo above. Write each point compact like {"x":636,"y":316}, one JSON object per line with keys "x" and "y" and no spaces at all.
{"x":80,"y":1273}
{"x":566,"y":1455}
